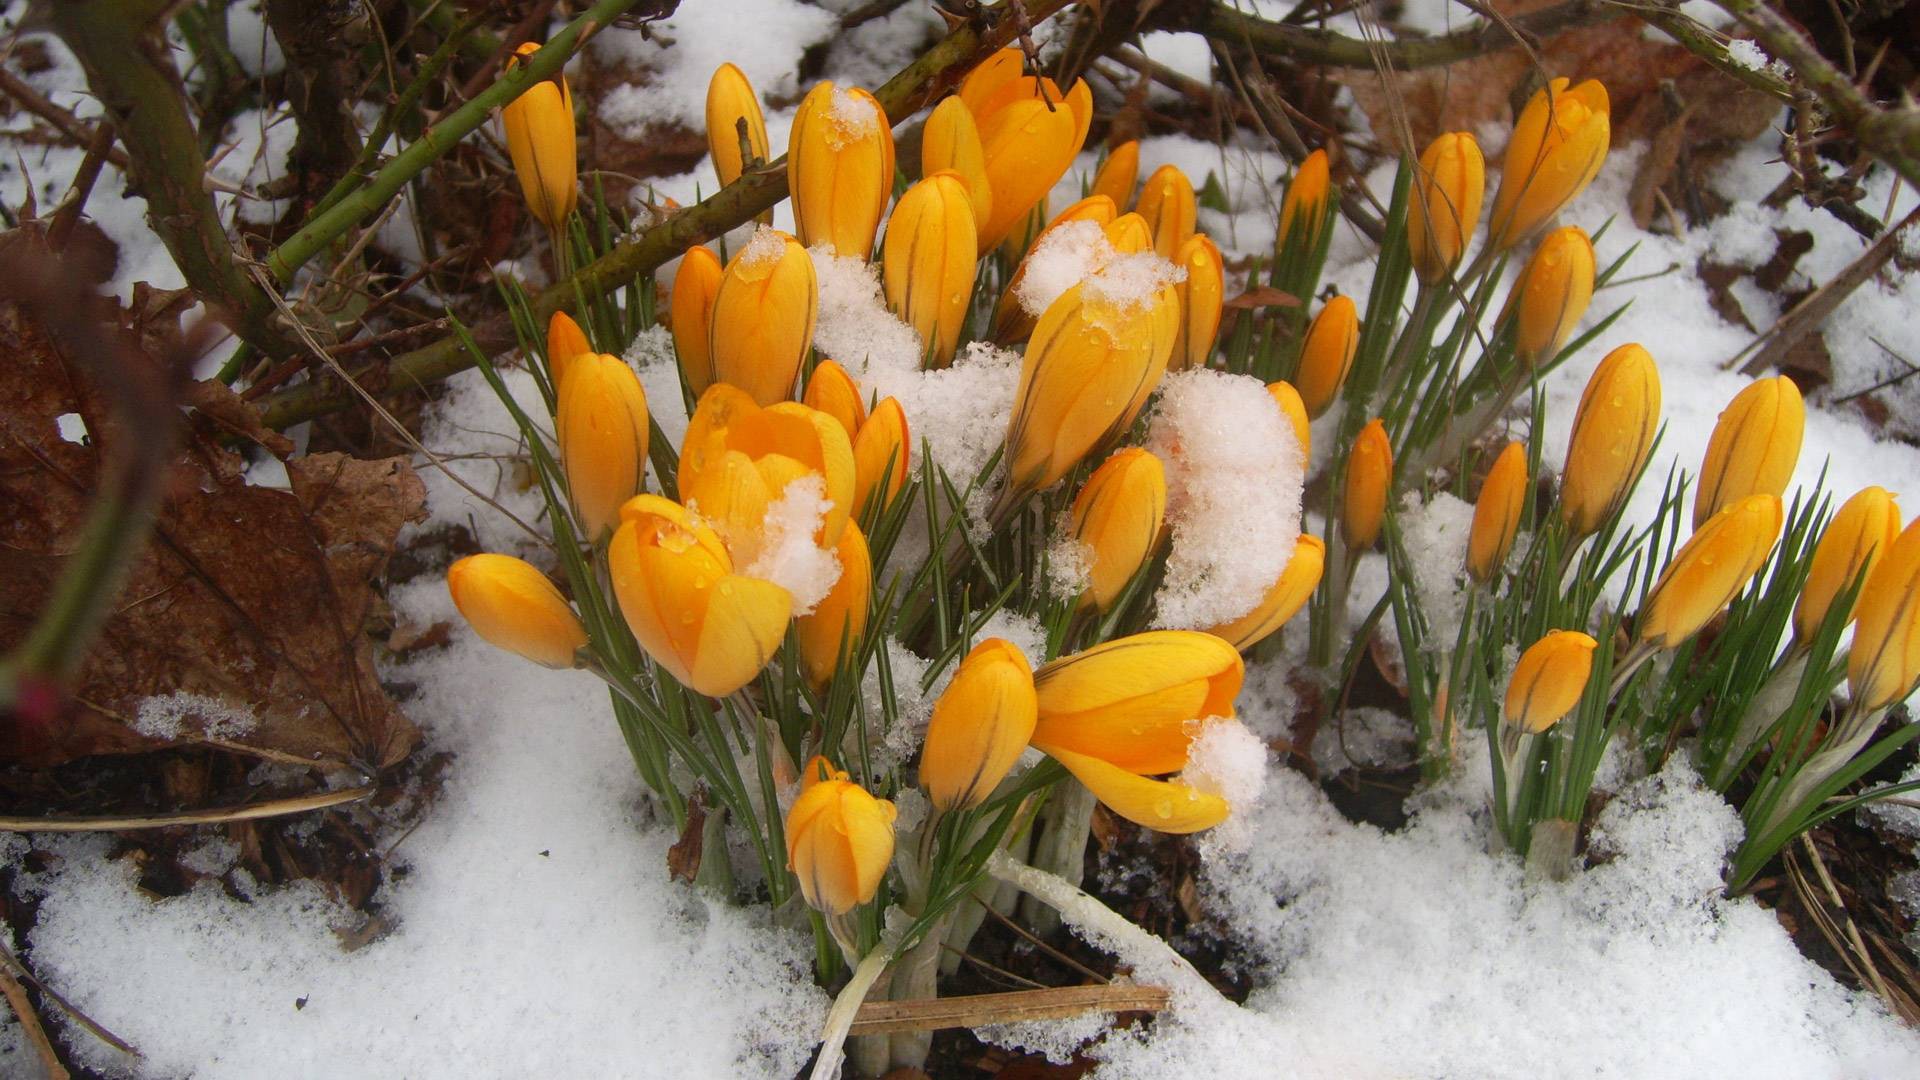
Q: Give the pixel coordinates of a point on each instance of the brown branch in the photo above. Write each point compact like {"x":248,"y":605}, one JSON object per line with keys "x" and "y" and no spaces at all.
{"x":1306,"y":46}
{"x":975,"y":1010}
{"x":914,"y":87}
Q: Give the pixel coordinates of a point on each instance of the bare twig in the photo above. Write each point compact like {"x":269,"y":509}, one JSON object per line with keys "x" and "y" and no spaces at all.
{"x":16,"y":996}
{"x":12,"y":964}
{"x":1014,"y":1006}
{"x":212,"y":816}
{"x":1771,"y":348}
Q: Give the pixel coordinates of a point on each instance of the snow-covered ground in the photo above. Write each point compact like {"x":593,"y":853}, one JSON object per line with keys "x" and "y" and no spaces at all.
{"x":536,"y":930}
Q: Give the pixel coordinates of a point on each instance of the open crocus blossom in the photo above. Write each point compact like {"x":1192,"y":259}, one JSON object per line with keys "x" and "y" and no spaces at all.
{"x":1304,"y":208}
{"x":1496,"y":516}
{"x":1885,"y":659}
{"x":927,"y":263}
{"x":1552,"y":294}
{"x":1295,"y":410}
{"x":840,"y":169}
{"x":690,"y":311}
{"x":1613,"y":433}
{"x":514,"y":607}
{"x":738,"y":458}
{"x":1118,"y":173}
{"x":832,"y":391}
{"x":732,"y":106}
{"x":980,"y":726}
{"x":837,"y":622}
{"x":540,"y":140}
{"x":601,"y":424}
{"x":1557,"y":147}
{"x":1117,"y":519}
{"x":881,"y":456}
{"x":1129,"y":701}
{"x":1549,"y":680}
{"x":1369,"y":479}
{"x":565,"y":340}
{"x":1754,"y":447}
{"x":1447,"y":190}
{"x":1030,"y":133}
{"x":951,"y":141}
{"x":1327,"y":354}
{"x":1284,"y":599}
{"x":839,"y":843}
{"x":1167,"y":202}
{"x":1012,"y":322}
{"x":1710,"y":569}
{"x":708,"y":627}
{"x":1088,"y":370}
{"x":1202,"y":298}
{"x":761,"y":324}
{"x":1861,"y":532}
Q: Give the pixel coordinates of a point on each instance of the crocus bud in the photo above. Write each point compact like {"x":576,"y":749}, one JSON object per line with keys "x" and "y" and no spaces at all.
{"x":1117,"y":518}
{"x":738,"y":458}
{"x":882,"y":455}
{"x":951,"y":141}
{"x":1202,"y":296}
{"x":1553,"y":293}
{"x":1129,"y":701}
{"x":1129,"y":234}
{"x":1369,"y":478}
{"x":514,"y":607}
{"x":601,"y":424}
{"x":1304,"y":209}
{"x":1710,"y":569}
{"x":565,"y":340}
{"x":762,"y":320}
{"x":708,"y":627}
{"x":1030,"y":133}
{"x":980,"y":726}
{"x":840,"y":169}
{"x":1754,"y":446}
{"x":690,"y":309}
{"x":832,"y":391}
{"x":1557,"y":147}
{"x":1167,"y":202}
{"x":1496,"y":517}
{"x":1117,"y":174}
{"x":1284,"y":599}
{"x":1447,"y":190}
{"x":837,"y":621}
{"x":1327,"y":354}
{"x":927,"y":264}
{"x":1613,"y":432}
{"x":1295,"y":410}
{"x":540,"y":140}
{"x":1012,"y":323}
{"x":1089,"y":368}
{"x":839,"y":844}
{"x":1861,"y":532}
{"x":1161,"y":805}
{"x":1549,"y":680}
{"x":730,"y":101}
{"x":1885,"y":660}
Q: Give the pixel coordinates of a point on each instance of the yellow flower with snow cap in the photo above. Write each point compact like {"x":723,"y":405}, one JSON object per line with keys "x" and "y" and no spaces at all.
{"x":840,"y":169}
{"x":761,"y":324}
{"x":738,"y":458}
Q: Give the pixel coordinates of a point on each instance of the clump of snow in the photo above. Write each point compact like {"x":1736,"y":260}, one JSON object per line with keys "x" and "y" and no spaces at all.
{"x":1900,"y":814}
{"x":853,"y":325}
{"x":766,"y":246}
{"x":913,"y":706}
{"x":184,"y":714}
{"x":1435,"y":534}
{"x":1133,"y":279}
{"x":1069,"y":563}
{"x":1362,"y":737}
{"x":788,"y":555}
{"x":1020,"y":631}
{"x":1063,"y":258}
{"x":1056,"y":1040}
{"x":1744,"y":52}
{"x":849,"y":117}
{"x":1227,"y":759}
{"x":1233,"y":495}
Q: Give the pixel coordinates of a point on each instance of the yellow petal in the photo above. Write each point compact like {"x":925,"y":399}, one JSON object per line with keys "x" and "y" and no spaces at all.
{"x":1553,"y":293}
{"x":1011,"y":321}
{"x":1447,"y":190}
{"x":763,"y":314}
{"x":1288,"y":594}
{"x":1549,"y":680}
{"x":1117,"y":518}
{"x":1327,"y":354}
{"x":601,"y":424}
{"x":1557,"y":147}
{"x":514,"y":607}
{"x":832,"y":391}
{"x":1167,"y":203}
{"x":1369,"y":481}
{"x":1496,"y":516}
{"x":1118,"y":173}
{"x":840,"y":169}
{"x":1129,"y":701}
{"x":565,"y":340}
{"x":927,"y":266}
{"x":1152,"y":804}
{"x":951,"y":141}
{"x":690,"y":311}
{"x":981,"y":724}
{"x":730,"y":101}
{"x":1710,"y":569}
{"x":1754,"y":446}
{"x":1885,"y":659}
{"x":1202,"y":298}
{"x":1861,"y":532}
{"x":1613,"y":432}
{"x":881,"y":456}
{"x":841,"y":618}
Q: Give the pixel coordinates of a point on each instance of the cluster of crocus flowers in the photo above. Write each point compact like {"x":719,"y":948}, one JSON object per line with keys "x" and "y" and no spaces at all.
{"x":1558,"y":144}
{"x":1447,"y":190}
{"x":840,"y":161}
{"x":513,"y":606}
{"x":1122,"y":713}
{"x":1613,"y":432}
{"x":1030,"y":132}
{"x":1754,"y":447}
{"x":839,"y":840}
{"x":540,"y":140}
{"x":1549,"y":680}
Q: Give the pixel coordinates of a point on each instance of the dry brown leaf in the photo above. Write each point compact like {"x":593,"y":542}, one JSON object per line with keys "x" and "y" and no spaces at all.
{"x":242,"y":619}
